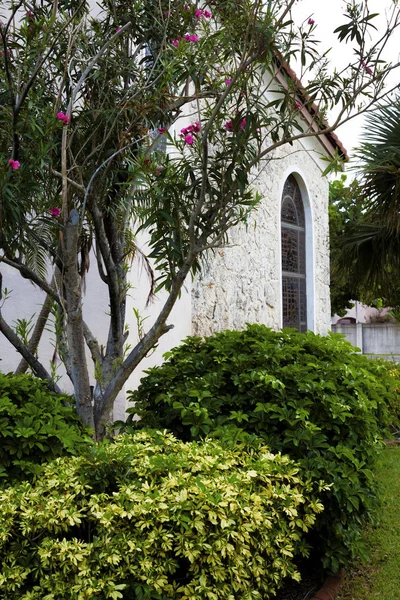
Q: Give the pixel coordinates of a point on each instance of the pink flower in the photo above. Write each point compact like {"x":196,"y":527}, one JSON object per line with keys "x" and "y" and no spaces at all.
{"x":186,"y":8}
{"x":63,"y":117}
{"x":243,"y":124}
{"x":191,"y":38}
{"x":199,"y":13}
{"x":162,"y":130}
{"x":189,"y":139}
{"x":228,"y":125}
{"x":14,"y":164}
{"x":55,"y":212}
{"x":159,"y":170}
{"x":298,"y":105}
{"x":311,"y":21}
{"x":367,"y":68}
{"x":186,"y":130}
{"x":195,"y":128}
{"x":228,"y":81}
{"x":118,"y":29}
{"x":175,"y":43}
{"x":207,"y":14}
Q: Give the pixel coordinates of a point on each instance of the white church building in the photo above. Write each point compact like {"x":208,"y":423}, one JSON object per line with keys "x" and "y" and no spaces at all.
{"x":274,"y":270}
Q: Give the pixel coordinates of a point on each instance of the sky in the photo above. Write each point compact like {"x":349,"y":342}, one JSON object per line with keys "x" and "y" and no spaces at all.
{"x":328,"y":15}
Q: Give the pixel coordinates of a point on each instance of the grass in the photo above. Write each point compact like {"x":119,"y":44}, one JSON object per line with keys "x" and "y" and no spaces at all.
{"x":379,"y":577}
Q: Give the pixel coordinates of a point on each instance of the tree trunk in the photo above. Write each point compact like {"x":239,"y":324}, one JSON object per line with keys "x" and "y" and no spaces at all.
{"x":75,"y":332}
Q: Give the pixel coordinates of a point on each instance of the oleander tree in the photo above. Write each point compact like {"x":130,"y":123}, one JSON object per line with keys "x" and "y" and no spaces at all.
{"x":90,"y":143}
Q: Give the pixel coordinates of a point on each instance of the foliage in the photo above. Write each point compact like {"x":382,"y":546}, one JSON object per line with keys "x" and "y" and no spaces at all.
{"x":391,"y":423}
{"x":378,"y":576}
{"x":90,"y":146}
{"x":149,"y":517}
{"x":307,"y":396}
{"x":369,"y":255}
{"x":346,"y":208}
{"x":36,"y":426}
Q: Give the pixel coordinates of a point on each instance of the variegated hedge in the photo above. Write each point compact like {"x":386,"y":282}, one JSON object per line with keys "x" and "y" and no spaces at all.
{"x":151,"y":517}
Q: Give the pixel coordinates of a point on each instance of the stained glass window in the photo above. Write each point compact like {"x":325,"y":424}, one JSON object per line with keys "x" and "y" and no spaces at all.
{"x":294,"y":295}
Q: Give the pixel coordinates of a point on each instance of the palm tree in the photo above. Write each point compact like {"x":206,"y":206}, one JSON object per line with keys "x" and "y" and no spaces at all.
{"x":371,"y":246}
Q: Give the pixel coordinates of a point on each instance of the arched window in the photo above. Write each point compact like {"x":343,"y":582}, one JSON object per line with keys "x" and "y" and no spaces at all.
{"x":293,"y":230}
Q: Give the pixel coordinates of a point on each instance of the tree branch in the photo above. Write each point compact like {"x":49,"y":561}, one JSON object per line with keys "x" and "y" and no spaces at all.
{"x":36,"y":334}
{"x":72,"y":182}
{"x":34,"y":364}
{"x":112,"y":273}
{"x":91,"y":65}
{"x":32,"y":276}
{"x":93,"y":345}
{"x":159,"y":328}
{"x":41,"y":62}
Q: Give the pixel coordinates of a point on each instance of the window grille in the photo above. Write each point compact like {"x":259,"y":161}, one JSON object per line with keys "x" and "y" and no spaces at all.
{"x":293,"y":235}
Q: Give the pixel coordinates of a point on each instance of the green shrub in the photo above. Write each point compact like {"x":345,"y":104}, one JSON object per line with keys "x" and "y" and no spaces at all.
{"x":391,"y":424}
{"x":308,"y":396}
{"x":36,"y":426}
{"x":151,"y":517}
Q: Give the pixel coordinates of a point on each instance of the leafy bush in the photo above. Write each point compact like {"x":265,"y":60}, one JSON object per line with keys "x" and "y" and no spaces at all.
{"x":391,"y":424}
{"x":36,"y":425}
{"x":149,"y":517}
{"x":309,"y":396}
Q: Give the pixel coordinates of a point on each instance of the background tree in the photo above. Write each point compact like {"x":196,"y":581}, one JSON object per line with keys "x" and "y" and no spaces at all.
{"x":345,"y":209}
{"x":367,"y":253}
{"x":87,"y":105}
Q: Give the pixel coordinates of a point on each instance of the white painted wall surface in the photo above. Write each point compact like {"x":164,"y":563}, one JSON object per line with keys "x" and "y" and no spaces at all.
{"x":26,"y":300}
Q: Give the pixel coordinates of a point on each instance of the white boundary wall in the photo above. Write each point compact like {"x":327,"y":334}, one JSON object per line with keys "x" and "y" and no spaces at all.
{"x":373,"y":339}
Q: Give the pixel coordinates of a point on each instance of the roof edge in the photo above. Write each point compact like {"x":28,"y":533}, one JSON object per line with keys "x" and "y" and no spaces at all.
{"x":311,"y":113}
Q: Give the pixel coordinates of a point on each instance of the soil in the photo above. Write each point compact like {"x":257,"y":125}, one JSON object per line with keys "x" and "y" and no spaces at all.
{"x":303,"y":590}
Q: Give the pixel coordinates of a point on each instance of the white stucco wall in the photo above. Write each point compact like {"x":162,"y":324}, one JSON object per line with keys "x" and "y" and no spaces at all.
{"x":25,"y":301}
{"x":242,"y":281}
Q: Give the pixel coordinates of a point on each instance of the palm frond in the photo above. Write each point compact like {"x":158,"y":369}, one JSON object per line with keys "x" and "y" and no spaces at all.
{"x":371,"y":256}
{"x":380,"y":164}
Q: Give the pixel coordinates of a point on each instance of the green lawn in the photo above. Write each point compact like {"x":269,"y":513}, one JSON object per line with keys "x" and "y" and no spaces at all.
{"x":380,"y":576}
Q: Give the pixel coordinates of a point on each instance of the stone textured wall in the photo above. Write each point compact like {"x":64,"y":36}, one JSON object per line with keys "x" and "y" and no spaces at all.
{"x":242,"y":282}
